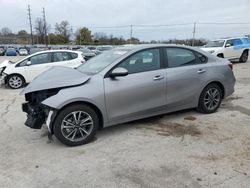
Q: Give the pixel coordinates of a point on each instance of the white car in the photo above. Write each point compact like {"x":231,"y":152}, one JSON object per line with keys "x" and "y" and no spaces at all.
{"x":23,"y":51}
{"x":230,"y":48}
{"x":15,"y":75}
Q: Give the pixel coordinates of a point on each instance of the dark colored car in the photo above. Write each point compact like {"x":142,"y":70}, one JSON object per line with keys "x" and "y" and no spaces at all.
{"x":11,"y":52}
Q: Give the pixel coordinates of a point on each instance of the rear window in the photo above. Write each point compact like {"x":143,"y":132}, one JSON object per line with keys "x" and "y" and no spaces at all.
{"x":73,"y":55}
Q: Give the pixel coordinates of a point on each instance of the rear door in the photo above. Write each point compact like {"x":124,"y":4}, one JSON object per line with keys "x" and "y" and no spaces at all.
{"x":186,"y":72}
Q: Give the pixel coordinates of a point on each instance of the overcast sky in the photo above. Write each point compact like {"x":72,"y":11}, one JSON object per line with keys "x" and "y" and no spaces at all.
{"x":95,"y":13}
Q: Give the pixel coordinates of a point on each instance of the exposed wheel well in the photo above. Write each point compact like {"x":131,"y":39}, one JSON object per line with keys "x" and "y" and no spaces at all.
{"x":220,"y":55}
{"x":246,"y":50}
{"x":220,"y":85}
{"x":94,"y":107}
{"x":14,"y":74}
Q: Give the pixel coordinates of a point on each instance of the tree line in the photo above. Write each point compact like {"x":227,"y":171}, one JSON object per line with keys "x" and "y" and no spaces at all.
{"x":63,"y":34}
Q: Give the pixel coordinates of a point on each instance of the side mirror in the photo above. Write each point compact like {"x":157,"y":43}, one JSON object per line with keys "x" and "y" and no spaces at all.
{"x":118,"y":72}
{"x":228,"y":45}
{"x":28,"y":63}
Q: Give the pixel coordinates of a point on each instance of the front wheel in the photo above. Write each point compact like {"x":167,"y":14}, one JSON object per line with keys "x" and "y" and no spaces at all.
{"x":76,"y":125}
{"x":210,"y":99}
{"x":15,"y":81}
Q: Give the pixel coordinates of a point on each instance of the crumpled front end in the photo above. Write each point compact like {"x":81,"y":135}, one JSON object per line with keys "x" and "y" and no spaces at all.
{"x":37,"y":113}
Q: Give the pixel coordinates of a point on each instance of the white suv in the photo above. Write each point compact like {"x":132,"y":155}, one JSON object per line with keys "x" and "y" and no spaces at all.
{"x":15,"y":75}
{"x":229,"y":48}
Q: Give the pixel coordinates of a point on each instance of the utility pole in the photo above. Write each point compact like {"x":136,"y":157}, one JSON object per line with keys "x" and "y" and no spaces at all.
{"x":31,"y":32}
{"x":194,"y":30}
{"x":45,"y":28}
{"x":131,"y":33}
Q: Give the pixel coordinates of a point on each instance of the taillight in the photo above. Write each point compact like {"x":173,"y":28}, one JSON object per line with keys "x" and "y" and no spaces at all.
{"x":231,"y":66}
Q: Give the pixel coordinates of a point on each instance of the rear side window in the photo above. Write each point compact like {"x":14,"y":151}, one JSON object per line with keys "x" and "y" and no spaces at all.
{"x":237,"y":42}
{"x":180,"y":57}
{"x":41,"y":59}
{"x":60,"y":56}
{"x":73,"y":55}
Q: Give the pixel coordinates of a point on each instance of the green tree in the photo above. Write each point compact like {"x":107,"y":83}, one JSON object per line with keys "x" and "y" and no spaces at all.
{"x":83,"y":36}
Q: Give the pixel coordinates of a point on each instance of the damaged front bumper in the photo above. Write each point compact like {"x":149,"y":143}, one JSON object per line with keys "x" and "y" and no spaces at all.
{"x":38,"y":115}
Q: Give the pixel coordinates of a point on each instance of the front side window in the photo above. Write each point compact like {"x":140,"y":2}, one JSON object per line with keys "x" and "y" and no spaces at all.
{"x":230,"y":43}
{"x":180,"y":57}
{"x":60,"y":56}
{"x":143,"y":61}
{"x":41,"y":59}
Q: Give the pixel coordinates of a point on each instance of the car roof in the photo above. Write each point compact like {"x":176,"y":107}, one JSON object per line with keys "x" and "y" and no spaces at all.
{"x":61,"y":50}
{"x":145,"y":46}
{"x":229,"y":38}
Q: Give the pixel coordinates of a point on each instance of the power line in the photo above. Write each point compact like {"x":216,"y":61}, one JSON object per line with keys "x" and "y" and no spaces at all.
{"x":31,"y":32}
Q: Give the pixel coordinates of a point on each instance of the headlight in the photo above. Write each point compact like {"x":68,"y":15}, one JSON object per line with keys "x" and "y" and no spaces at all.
{"x":211,"y":51}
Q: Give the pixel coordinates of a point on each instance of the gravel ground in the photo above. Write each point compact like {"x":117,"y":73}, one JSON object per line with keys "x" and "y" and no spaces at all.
{"x":183,"y":149}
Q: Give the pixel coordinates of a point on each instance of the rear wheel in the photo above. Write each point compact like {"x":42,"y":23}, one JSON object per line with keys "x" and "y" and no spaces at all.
{"x":210,"y":99}
{"x":244,"y":57}
{"x":15,"y":81}
{"x":76,"y":125}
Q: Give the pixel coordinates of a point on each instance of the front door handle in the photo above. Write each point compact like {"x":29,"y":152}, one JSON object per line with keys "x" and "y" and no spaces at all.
{"x":200,"y":71}
{"x":158,"y":77}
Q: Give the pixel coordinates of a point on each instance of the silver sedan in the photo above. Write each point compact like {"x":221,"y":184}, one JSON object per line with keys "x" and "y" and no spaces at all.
{"x":125,"y":84}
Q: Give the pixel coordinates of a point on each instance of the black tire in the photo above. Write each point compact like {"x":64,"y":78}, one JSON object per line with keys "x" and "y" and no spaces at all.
{"x":11,"y":81}
{"x":60,"y":132}
{"x":244,"y":57}
{"x":203,"y":105}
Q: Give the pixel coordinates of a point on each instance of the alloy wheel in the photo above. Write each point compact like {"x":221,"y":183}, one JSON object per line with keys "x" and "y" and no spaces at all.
{"x":212,"y":98}
{"x":15,"y":82}
{"x":76,"y":126}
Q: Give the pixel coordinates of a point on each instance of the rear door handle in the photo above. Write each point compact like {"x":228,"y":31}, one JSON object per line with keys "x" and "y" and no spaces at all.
{"x":200,"y":71}
{"x":158,"y":77}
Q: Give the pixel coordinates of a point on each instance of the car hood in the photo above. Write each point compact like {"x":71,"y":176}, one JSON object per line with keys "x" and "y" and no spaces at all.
{"x":56,"y":77}
{"x":6,"y":63}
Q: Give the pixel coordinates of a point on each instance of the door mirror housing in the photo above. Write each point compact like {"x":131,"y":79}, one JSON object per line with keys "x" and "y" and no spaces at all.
{"x":28,"y":63}
{"x":228,"y":45}
{"x":118,"y":72}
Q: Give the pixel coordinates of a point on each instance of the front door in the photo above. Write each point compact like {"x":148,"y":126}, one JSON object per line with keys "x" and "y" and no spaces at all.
{"x":141,"y":92}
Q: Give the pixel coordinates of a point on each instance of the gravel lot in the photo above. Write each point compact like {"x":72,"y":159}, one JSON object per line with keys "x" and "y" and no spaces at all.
{"x":183,"y":149}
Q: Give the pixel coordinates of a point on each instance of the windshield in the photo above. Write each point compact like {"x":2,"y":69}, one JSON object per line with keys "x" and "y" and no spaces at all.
{"x":215,"y":43}
{"x":101,"y":61}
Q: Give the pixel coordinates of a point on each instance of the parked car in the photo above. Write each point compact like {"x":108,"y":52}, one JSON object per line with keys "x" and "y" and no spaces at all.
{"x":125,"y":84}
{"x":10,"y":52}
{"x":87,"y":54}
{"x":15,"y":75}
{"x":23,"y":52}
{"x":104,"y":48}
{"x":94,"y":49}
{"x":230,"y":48}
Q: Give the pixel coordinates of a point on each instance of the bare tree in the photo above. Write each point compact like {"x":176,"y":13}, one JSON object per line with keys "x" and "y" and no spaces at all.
{"x":63,"y":29}
{"x":6,"y":31}
{"x":41,"y":30}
